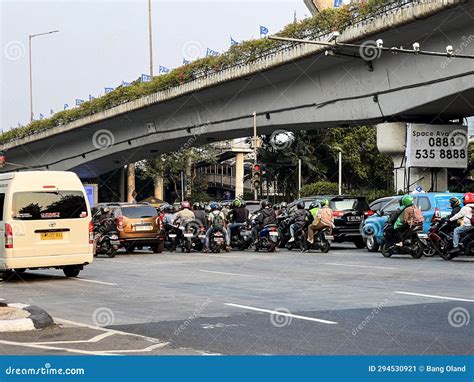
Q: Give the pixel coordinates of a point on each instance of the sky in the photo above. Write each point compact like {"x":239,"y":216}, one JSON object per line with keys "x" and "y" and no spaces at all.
{"x":102,"y":43}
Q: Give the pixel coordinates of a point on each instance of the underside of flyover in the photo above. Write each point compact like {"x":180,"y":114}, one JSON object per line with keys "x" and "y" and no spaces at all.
{"x":313,"y":92}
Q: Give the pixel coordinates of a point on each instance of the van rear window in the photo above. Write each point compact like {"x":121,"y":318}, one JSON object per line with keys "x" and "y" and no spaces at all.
{"x":139,"y":212}
{"x":43,"y":205}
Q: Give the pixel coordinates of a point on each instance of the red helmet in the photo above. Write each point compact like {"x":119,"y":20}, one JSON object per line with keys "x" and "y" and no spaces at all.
{"x":185,"y":204}
{"x":468,"y":198}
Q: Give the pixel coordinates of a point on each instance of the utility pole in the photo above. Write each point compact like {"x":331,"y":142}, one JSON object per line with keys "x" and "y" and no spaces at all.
{"x":150,"y":38}
{"x":30,"y":37}
{"x":255,"y":191}
{"x":299,"y":178}
{"x":340,"y":172}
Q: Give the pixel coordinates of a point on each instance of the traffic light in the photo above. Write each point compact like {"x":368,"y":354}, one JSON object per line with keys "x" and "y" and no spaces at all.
{"x":256,"y":176}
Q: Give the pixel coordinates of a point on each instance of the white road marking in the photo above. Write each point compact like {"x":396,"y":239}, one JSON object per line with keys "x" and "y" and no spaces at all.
{"x":358,"y":266}
{"x":91,"y":340}
{"x":34,"y":346}
{"x":282,"y":313}
{"x":434,"y":296}
{"x":147,"y":349}
{"x":226,"y":273}
{"x":92,"y":281}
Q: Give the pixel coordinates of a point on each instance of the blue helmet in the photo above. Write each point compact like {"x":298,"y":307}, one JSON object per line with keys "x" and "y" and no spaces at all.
{"x":214,"y":206}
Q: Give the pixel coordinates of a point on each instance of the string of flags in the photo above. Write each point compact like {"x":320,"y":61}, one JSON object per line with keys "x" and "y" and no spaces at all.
{"x":163,"y":69}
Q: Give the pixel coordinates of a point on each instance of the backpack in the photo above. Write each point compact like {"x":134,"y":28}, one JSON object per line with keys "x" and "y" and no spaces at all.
{"x":414,"y":216}
{"x":217,"y":220}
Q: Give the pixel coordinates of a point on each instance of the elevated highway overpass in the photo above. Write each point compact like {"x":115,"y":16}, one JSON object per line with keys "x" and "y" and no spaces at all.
{"x":298,"y":87}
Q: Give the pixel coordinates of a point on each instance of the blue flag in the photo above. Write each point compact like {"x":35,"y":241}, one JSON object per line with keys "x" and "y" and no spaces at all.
{"x":233,"y":42}
{"x":91,"y":97}
{"x":163,"y":69}
{"x":185,"y":62}
{"x":41,"y":116}
{"x":337,"y":3}
{"x":211,"y":52}
{"x":79,"y":101}
{"x":66,"y":106}
{"x":263,"y":30}
{"x":146,"y":78}
{"x":52,"y":111}
{"x":108,"y":90}
{"x":125,"y":83}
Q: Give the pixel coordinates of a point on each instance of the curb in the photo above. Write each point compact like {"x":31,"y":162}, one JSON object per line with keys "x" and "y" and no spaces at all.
{"x":38,"y":319}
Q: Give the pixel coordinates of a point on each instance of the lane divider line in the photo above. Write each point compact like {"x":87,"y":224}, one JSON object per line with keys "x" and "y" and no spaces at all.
{"x":359,"y":266}
{"x":226,"y":273}
{"x":434,"y":296}
{"x":92,"y":281}
{"x":277,"y":313}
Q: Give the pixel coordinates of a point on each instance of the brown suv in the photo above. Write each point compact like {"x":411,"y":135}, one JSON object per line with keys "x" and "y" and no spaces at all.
{"x":138,"y":225}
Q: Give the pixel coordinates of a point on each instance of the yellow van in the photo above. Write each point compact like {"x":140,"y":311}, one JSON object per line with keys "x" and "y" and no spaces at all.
{"x":45,"y":222}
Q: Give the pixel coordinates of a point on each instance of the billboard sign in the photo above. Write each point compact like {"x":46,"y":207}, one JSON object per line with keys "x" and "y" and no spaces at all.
{"x":440,"y":146}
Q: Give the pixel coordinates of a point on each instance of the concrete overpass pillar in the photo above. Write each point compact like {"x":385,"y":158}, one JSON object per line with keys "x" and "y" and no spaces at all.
{"x":239,"y":175}
{"x":158,"y":182}
{"x":391,"y":140}
{"x":122,"y":184}
{"x":131,"y":193}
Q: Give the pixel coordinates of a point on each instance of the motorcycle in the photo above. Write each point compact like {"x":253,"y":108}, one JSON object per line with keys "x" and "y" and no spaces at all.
{"x":283,"y":223}
{"x":106,"y":239}
{"x":171,"y":233}
{"x":186,"y":238}
{"x":299,"y":242}
{"x":412,"y":243}
{"x":241,"y":238}
{"x":440,"y":239}
{"x":321,"y":240}
{"x":268,"y":238}
{"x":216,"y":241}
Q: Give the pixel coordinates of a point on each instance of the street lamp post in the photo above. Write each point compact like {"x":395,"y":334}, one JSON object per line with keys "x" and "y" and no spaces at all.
{"x":150,"y":38}
{"x":30,"y":37}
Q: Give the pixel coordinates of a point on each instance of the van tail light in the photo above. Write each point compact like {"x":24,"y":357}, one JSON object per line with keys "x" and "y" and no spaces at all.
{"x":8,"y":236}
{"x":120,"y":223}
{"x":91,"y":232}
{"x":338,"y":214}
{"x":436,"y":215}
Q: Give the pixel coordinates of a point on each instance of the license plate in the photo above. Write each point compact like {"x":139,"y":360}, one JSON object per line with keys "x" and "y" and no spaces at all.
{"x":52,"y":236}
{"x":172,"y":235}
{"x":143,"y":228}
{"x":422,"y":236}
{"x":329,"y":237}
{"x":353,"y":218}
{"x":115,"y":242}
{"x":273,"y":233}
{"x":188,"y":235}
{"x":202,"y":236}
{"x":219,"y":239}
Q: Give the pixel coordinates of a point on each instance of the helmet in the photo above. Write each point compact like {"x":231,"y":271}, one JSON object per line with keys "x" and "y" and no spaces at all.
{"x":236,"y":203}
{"x":214,"y":206}
{"x":105,"y":209}
{"x":314,"y":204}
{"x":264,"y":203}
{"x":283,"y":204}
{"x":300,"y":205}
{"x":195,"y":205}
{"x":454,"y":202}
{"x":185,"y":204}
{"x":468,"y":198}
{"x":276,"y":207}
{"x":324,"y":202}
{"x":207,"y":208}
{"x":407,"y":200}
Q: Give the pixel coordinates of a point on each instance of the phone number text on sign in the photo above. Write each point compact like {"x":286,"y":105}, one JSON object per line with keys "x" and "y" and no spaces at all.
{"x":437,"y":146}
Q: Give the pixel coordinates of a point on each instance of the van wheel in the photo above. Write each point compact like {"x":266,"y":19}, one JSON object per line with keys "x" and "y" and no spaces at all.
{"x":359,"y":243}
{"x":71,"y":271}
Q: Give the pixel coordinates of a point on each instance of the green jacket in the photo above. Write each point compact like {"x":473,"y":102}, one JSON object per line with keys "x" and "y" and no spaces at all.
{"x":401,"y":219}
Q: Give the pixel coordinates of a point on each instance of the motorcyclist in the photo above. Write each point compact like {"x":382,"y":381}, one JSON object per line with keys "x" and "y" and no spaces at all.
{"x":237,"y":217}
{"x":283,"y":207}
{"x":409,"y":217}
{"x":265,"y":216}
{"x":322,"y":218}
{"x":465,"y":215}
{"x":106,"y":220}
{"x":225,"y":208}
{"x":199,"y":214}
{"x":277,"y":209}
{"x":297,"y":220}
{"x":455,"y":204}
{"x":216,"y":221}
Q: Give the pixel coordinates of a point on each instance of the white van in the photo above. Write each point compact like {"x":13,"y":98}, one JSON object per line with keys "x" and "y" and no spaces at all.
{"x":45,"y":222}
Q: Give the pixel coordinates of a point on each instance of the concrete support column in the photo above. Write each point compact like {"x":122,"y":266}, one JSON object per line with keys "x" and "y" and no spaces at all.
{"x":239,"y":175}
{"x":131,"y":194}
{"x":391,"y":140}
{"x":158,"y":182}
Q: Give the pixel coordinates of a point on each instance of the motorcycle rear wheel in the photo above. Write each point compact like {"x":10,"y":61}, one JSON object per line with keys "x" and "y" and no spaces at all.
{"x":386,"y":250}
{"x":417,"y":249}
